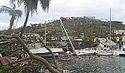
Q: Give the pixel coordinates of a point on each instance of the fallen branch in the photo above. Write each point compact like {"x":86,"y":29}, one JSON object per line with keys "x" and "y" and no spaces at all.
{"x":46,"y":63}
{"x":53,"y":56}
{"x":19,"y":61}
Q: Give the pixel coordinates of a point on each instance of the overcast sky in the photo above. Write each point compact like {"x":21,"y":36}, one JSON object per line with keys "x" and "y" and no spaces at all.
{"x":71,"y":8}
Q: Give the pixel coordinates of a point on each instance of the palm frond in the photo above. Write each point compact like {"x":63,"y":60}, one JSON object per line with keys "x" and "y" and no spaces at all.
{"x":19,"y":2}
{"x":6,"y":10}
{"x":45,"y":4}
{"x":11,"y":11}
{"x":12,"y":1}
{"x":18,"y":13}
{"x":34,"y":5}
{"x":31,"y":5}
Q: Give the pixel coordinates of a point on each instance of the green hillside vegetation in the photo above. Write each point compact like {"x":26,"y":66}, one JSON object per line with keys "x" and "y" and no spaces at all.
{"x":76,"y":27}
{"x":86,"y":28}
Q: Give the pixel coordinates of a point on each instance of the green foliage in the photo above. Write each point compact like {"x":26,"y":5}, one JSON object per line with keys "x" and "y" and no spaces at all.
{"x":31,"y":5}
{"x":75,"y":26}
{"x":34,"y":67}
{"x":14,"y":13}
{"x":5,"y":69}
{"x":89,"y":42}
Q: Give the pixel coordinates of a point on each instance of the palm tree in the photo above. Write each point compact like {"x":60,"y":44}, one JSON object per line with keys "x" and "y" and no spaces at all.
{"x":15,"y":14}
{"x":30,"y":6}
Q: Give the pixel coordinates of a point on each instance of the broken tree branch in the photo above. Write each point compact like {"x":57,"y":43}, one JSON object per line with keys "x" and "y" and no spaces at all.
{"x":46,"y":63}
{"x":53,"y":56}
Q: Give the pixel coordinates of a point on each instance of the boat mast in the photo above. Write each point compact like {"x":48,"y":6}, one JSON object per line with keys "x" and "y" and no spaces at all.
{"x":45,"y":33}
{"x":67,"y":36}
{"x":110,"y":26}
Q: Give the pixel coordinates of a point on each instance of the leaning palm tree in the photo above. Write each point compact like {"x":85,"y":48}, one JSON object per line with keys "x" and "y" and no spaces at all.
{"x":30,"y":6}
{"x":15,"y":14}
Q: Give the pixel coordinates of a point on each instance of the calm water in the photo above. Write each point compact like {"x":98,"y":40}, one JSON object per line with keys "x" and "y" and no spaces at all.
{"x":94,"y":64}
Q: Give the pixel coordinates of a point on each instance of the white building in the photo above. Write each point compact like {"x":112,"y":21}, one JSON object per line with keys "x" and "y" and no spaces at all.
{"x":119,"y":31}
{"x":106,"y":44}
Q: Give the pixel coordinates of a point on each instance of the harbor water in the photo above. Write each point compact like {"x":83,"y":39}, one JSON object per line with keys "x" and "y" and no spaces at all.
{"x":94,"y":64}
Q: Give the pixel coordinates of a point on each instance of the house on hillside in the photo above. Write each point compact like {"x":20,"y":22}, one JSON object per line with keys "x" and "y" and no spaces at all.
{"x":117,"y":22}
{"x":106,"y":44}
{"x":78,"y":43}
{"x":31,"y":35}
{"x":119,"y":32}
{"x":36,"y":25}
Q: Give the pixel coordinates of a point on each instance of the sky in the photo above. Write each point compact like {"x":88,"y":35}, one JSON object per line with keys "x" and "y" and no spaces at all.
{"x":99,"y":9}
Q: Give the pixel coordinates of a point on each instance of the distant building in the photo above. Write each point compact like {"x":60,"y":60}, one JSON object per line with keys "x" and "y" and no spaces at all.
{"x":36,"y":25}
{"x":105,"y":43}
{"x":64,"y":38}
{"x":116,"y":22}
{"x":119,"y":32}
{"x":123,"y":38}
{"x":31,"y":35}
{"x":78,"y":40}
{"x":54,"y":38}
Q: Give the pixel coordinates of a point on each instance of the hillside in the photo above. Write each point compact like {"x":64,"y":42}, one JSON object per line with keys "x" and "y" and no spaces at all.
{"x":85,"y":28}
{"x":76,"y":27}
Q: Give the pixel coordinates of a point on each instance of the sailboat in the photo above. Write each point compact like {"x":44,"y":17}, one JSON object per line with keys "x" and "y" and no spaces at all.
{"x":73,"y":51}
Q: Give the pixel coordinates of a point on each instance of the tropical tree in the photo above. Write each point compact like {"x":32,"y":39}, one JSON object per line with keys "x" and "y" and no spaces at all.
{"x":15,"y":14}
{"x":30,"y":6}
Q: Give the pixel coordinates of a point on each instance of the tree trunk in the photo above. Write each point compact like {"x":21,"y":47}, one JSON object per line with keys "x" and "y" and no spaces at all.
{"x":53,"y":56}
{"x":11,"y":22}
{"x":46,"y":63}
{"x":25,"y":23}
